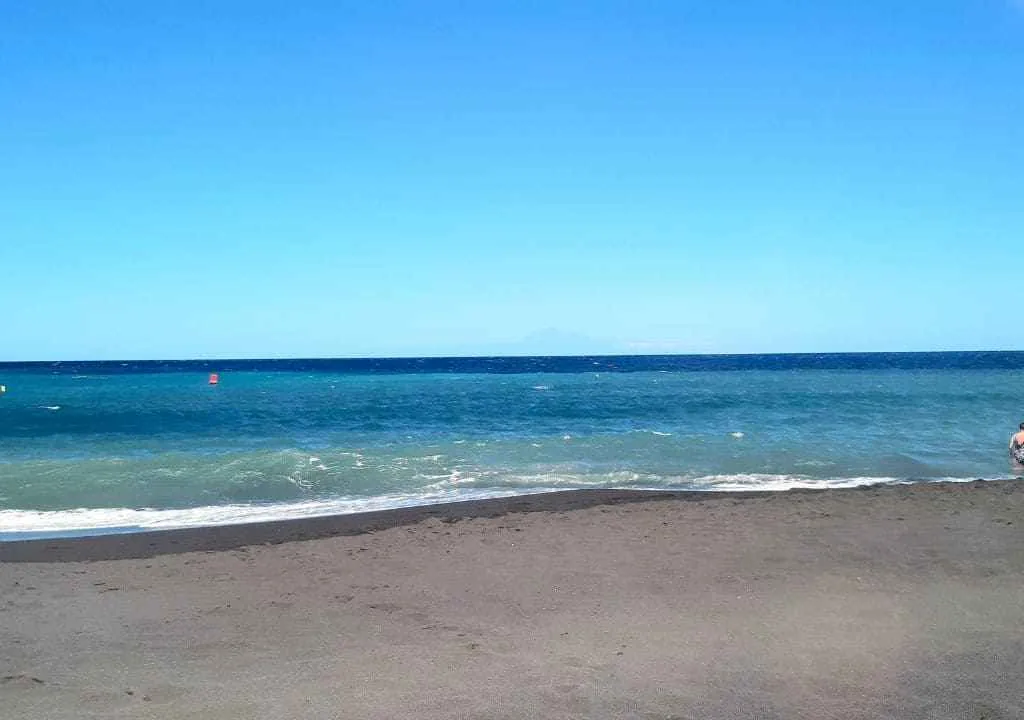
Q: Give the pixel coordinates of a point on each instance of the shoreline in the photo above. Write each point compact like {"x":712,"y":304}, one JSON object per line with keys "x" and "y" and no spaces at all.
{"x":212,"y":538}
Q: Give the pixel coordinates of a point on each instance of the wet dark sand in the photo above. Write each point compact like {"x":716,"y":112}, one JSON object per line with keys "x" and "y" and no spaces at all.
{"x":895,"y":602}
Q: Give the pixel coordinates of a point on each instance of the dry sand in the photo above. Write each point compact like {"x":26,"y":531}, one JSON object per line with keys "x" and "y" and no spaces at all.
{"x":895,"y":602}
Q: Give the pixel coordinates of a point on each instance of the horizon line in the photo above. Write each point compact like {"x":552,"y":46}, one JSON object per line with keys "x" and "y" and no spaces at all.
{"x":507,"y":357}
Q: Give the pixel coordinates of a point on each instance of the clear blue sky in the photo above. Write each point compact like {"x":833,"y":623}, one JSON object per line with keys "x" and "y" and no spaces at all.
{"x":268,"y":179}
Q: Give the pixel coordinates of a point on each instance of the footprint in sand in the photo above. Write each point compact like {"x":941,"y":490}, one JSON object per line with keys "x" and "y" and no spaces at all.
{"x":22,"y":679}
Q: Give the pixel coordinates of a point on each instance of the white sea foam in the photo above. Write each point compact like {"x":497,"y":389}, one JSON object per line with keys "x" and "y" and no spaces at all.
{"x":87,"y":521}
{"x":630,"y":480}
{"x":756,"y":481}
{"x":736,"y":435}
{"x":49,"y":407}
{"x":453,"y":487}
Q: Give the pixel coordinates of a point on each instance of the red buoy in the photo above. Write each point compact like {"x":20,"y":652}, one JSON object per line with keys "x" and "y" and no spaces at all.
{"x":214,"y":378}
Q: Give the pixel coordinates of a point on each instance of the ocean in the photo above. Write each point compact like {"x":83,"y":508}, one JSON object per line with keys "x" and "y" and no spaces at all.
{"x":107,"y":447}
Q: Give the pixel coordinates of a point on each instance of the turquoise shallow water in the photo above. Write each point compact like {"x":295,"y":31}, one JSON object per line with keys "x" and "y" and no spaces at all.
{"x":106,"y":447}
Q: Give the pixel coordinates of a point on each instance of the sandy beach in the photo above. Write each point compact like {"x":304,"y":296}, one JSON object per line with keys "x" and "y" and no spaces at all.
{"x":887,"y":602}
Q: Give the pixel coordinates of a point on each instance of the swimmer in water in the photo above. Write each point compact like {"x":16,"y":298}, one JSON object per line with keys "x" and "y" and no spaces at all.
{"x":1017,"y":447}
